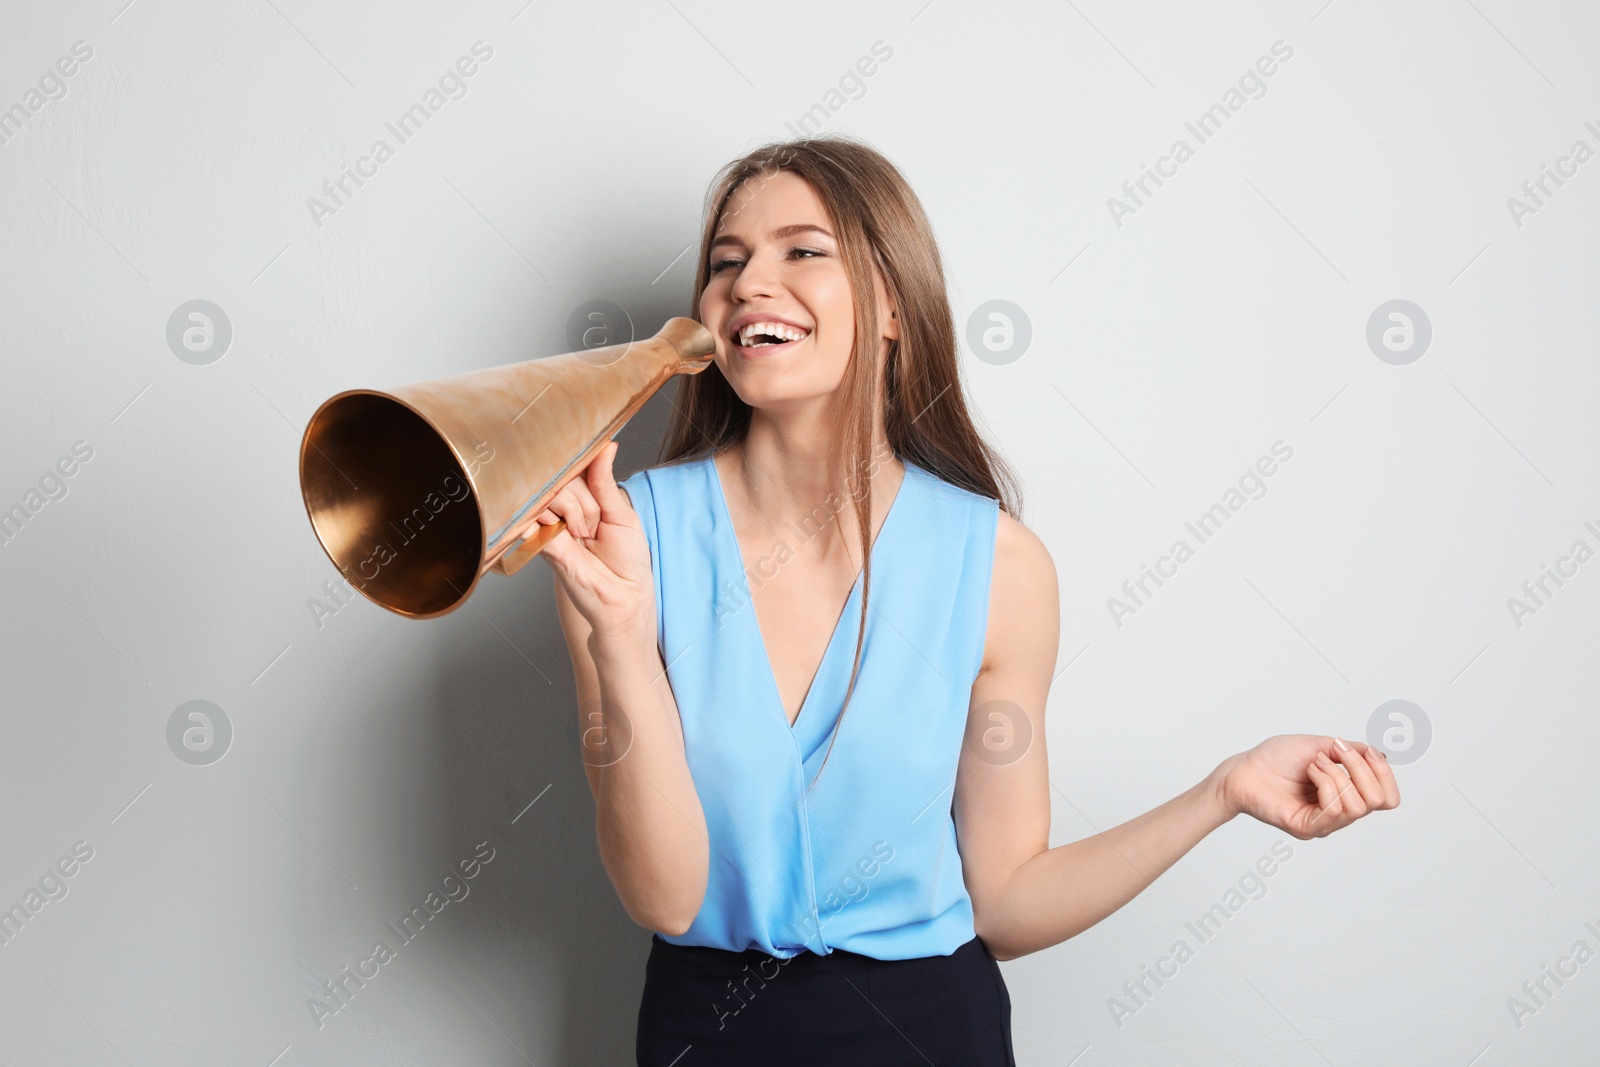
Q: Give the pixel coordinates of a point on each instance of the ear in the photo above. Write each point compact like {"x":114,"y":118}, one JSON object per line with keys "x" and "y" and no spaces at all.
{"x":888,"y":312}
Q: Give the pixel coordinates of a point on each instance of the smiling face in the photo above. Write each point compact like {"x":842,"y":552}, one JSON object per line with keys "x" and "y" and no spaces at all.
{"x":778,"y":297}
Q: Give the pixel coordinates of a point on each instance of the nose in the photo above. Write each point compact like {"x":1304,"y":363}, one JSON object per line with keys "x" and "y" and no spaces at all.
{"x":757,"y":278}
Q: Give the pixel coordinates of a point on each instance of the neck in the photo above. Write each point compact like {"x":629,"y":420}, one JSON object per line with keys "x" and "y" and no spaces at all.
{"x":793,"y":464}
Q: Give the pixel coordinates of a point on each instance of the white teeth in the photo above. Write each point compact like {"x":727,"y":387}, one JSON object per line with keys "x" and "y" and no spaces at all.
{"x":774,"y":329}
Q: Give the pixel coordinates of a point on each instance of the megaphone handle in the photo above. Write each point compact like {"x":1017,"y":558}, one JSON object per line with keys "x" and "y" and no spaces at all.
{"x":515,"y":559}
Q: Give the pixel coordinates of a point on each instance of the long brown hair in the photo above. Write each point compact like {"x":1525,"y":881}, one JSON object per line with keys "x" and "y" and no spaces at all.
{"x":880,"y":224}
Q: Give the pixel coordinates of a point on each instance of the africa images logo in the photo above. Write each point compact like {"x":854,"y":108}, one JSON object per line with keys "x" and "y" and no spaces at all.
{"x":338,"y":992}
{"x":1251,"y":85}
{"x":52,"y":87}
{"x":452,"y":86}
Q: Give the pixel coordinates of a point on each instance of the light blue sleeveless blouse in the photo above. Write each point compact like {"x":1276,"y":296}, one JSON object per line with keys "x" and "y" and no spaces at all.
{"x":865,"y":859}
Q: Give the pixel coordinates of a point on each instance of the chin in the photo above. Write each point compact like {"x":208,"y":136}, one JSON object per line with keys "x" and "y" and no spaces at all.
{"x":775,"y":395}
{"x":771,"y":386}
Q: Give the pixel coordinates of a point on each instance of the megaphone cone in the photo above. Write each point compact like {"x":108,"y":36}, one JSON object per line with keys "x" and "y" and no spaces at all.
{"x":415,"y":493}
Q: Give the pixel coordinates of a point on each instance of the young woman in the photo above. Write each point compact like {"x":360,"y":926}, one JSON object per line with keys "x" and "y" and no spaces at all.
{"x":819,"y":772}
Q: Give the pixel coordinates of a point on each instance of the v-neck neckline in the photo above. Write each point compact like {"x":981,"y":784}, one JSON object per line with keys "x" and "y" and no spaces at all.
{"x":755,"y":622}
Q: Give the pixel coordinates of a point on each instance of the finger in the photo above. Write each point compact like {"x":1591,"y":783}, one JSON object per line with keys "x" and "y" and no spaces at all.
{"x":1381,"y":770}
{"x":541,"y":520}
{"x":556,"y":553}
{"x":1387,"y":789}
{"x":1360,"y":772}
{"x":1349,"y":796}
{"x":614,"y":504}
{"x":565,"y":555}
{"x":1330,"y":804}
{"x":566,"y":504}
{"x":588,"y":505}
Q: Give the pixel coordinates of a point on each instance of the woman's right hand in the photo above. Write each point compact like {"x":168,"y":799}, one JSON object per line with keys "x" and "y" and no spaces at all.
{"x":602,"y":559}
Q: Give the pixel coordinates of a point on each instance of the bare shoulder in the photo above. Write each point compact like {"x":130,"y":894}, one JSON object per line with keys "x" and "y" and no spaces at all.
{"x":1024,"y":599}
{"x":1020,"y":554}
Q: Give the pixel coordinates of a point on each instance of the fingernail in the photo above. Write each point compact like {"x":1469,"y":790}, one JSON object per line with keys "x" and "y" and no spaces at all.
{"x":1384,"y":754}
{"x":1342,"y":746}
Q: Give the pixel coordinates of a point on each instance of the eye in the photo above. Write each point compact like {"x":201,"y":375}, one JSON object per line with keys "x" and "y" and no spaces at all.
{"x":797,"y":252}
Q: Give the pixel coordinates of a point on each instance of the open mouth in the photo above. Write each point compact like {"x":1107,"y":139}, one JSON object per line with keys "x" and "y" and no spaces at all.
{"x":768,"y":337}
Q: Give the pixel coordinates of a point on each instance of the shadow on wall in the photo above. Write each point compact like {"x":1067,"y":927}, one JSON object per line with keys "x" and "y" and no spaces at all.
{"x":541,"y":945}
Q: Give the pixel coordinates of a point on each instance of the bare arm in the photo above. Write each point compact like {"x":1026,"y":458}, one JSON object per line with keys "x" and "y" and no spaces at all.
{"x":1027,"y":896}
{"x":649,"y":824}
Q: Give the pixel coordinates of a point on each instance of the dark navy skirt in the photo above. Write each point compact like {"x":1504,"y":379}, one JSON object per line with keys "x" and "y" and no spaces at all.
{"x":707,"y":1007}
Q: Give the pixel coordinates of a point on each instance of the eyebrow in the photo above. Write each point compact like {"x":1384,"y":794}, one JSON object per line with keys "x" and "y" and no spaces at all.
{"x":778,"y":234}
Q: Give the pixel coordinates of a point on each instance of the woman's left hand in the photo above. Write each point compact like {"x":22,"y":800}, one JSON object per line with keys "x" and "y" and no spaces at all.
{"x":1308,"y":785}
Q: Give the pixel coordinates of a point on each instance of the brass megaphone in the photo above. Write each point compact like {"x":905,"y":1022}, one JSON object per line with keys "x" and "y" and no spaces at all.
{"x":417,"y":492}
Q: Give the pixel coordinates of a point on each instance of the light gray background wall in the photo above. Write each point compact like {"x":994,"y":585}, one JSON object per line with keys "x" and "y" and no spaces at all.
{"x":1169,"y":350}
